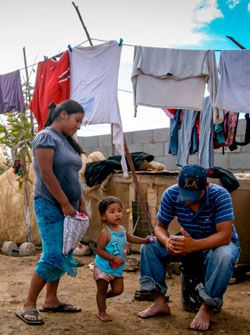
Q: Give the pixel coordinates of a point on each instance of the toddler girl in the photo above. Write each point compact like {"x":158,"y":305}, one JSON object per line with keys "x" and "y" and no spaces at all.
{"x":111,"y":254}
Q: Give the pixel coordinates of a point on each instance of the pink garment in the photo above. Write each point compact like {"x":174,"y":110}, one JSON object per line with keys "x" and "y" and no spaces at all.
{"x":230,"y":124}
{"x":169,"y":112}
{"x":99,"y":274}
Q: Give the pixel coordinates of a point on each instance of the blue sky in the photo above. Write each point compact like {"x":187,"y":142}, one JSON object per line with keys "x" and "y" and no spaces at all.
{"x":233,"y":19}
{"x":47,"y":27}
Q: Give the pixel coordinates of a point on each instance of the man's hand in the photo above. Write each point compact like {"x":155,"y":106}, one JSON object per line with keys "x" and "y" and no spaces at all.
{"x":181,"y":244}
{"x":169,"y":246}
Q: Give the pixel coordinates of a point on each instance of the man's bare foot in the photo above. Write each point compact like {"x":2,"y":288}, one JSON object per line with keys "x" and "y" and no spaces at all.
{"x":103,"y":316}
{"x":202,"y":318}
{"x":154,"y":309}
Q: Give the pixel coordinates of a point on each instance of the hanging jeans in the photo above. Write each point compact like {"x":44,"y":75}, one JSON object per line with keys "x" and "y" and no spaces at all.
{"x":188,"y":140}
{"x":174,"y":133}
{"x":218,"y":263}
{"x":176,"y":126}
{"x":206,"y":148}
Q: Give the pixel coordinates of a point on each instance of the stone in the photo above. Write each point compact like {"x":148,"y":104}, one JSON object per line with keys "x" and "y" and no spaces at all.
{"x":27,"y":249}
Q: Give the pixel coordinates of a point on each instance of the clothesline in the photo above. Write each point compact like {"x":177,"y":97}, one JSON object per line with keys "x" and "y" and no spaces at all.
{"x":23,"y":68}
{"x":135,"y":45}
{"x":99,"y":40}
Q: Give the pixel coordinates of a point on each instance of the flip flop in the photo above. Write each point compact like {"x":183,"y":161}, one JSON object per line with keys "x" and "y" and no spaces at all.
{"x":23,"y":316}
{"x":62,"y":308}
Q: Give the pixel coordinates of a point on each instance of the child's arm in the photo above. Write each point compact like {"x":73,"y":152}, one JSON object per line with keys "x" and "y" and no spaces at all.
{"x":101,"y":244}
{"x":137,"y":239}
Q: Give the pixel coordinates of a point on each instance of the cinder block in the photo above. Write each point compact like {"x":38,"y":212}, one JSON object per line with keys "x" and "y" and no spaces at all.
{"x":166,"y":148}
{"x":160,"y":135}
{"x":170,"y":162}
{"x":135,"y":147}
{"x":156,"y":149}
{"x":221,"y":160}
{"x":128,"y":138}
{"x":145,"y":136}
{"x":246,"y":148}
{"x":110,"y":153}
{"x":239,"y":161}
{"x":80,"y":140}
{"x":104,"y":140}
{"x":91,"y":141}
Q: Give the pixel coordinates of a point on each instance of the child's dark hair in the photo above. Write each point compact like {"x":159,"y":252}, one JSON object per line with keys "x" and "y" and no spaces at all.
{"x":70,"y":107}
{"x":103,"y":205}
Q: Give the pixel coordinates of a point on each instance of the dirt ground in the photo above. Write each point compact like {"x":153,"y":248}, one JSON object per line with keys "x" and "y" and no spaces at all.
{"x":15,"y":276}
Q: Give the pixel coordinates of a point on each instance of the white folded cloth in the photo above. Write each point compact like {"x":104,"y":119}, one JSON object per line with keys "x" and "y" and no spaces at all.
{"x":74,"y":229}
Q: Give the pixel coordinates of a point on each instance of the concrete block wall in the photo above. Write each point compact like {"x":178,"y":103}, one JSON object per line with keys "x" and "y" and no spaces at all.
{"x":156,"y":142}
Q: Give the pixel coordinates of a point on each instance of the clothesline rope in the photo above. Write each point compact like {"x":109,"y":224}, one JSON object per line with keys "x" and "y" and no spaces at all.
{"x":78,"y":45}
{"x":99,"y":40}
{"x":136,"y":45}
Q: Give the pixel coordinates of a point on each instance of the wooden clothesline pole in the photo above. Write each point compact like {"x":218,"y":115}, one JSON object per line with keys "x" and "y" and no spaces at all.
{"x":28,"y":94}
{"x":137,"y":188}
{"x":84,"y":27}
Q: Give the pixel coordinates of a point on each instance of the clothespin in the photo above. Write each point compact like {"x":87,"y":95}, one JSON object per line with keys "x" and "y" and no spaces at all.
{"x":121,"y":42}
{"x":45,"y":57}
{"x":70,"y":47}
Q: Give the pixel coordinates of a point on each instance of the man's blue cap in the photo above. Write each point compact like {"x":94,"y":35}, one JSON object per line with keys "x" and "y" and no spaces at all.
{"x":192,"y":182}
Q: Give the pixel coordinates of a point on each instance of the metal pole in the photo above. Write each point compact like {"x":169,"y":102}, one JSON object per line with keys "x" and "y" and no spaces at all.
{"x":235,"y":42}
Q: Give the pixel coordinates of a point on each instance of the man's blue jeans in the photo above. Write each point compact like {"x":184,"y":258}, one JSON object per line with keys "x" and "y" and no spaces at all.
{"x":218,"y":263}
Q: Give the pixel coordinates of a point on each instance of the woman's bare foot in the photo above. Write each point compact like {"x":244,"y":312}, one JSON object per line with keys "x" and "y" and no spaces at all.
{"x":103,"y":316}
{"x":154,"y":309}
{"x":202,"y":318}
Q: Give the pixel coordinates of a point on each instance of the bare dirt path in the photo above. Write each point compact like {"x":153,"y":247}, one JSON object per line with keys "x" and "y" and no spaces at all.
{"x":15,"y":276}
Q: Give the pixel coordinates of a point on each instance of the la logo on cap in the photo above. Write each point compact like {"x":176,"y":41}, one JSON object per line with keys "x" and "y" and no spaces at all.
{"x":191,"y":184}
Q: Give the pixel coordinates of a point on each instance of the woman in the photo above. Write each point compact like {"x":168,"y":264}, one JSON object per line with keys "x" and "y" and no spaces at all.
{"x":57,"y":192}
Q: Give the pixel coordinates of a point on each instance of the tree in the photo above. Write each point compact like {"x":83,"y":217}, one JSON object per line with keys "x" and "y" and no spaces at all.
{"x":16,"y":134}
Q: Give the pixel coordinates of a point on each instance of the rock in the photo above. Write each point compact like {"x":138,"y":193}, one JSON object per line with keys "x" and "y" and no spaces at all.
{"x":27,"y":249}
{"x":10,"y":248}
{"x":84,"y":250}
{"x":132,"y":264}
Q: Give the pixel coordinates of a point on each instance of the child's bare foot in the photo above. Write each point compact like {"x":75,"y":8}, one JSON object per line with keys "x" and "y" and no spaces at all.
{"x":202,"y":318}
{"x":154,"y":309}
{"x":103,"y":316}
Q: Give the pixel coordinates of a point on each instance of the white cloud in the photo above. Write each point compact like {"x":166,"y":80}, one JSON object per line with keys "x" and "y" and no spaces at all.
{"x":232,"y":3}
{"x":206,"y":11}
{"x":248,"y":7}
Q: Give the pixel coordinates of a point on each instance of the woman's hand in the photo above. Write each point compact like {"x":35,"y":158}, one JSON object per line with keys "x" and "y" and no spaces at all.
{"x":68,"y":209}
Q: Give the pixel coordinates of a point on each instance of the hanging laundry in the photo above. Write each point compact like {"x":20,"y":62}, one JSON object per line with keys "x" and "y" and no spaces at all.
{"x":11,"y":95}
{"x":94,"y":84}
{"x":188,"y":140}
{"x":234,"y":88}
{"x":206,"y":148}
{"x":174,"y":78}
{"x":230,"y":125}
{"x":52,"y":85}
{"x":191,"y":132}
{"x":233,"y":146}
